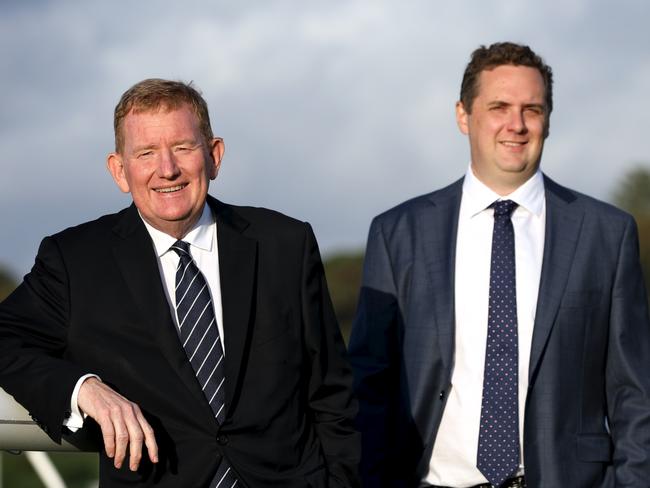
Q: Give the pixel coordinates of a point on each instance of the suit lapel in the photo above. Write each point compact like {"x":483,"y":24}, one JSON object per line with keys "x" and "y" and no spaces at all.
{"x":237,"y":270}
{"x":135,"y":257}
{"x":563,"y":223}
{"x":435,"y":227}
{"x":439,"y":229}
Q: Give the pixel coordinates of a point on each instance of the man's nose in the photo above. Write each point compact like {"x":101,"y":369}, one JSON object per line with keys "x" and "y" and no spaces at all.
{"x":517,"y":122}
{"x":167,"y":166}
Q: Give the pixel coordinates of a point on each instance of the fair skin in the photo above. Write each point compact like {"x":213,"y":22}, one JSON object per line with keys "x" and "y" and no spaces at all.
{"x":166,"y":164}
{"x":507,"y":126}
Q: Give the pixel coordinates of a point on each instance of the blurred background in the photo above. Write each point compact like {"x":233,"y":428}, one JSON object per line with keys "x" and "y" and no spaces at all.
{"x":332,"y":111}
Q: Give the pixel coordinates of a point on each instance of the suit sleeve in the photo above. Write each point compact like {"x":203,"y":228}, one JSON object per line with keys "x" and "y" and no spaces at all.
{"x":374,"y":358}
{"x":330,"y":383}
{"x":628,"y":367}
{"x":33,"y":334}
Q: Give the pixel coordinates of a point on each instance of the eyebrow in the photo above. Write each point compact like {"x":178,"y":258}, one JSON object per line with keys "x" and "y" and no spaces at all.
{"x":187,"y":142}
{"x":540,"y":106}
{"x":147,"y":147}
{"x":501,"y":103}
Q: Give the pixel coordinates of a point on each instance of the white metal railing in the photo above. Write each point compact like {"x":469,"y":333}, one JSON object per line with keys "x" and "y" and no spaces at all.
{"x":18,"y":432}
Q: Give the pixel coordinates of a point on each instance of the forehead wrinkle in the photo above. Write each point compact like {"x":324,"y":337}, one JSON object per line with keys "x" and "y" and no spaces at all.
{"x":142,"y":147}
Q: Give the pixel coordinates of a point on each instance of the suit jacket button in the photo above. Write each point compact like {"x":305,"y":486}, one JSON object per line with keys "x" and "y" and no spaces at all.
{"x":442,"y":395}
{"x":222,"y":439}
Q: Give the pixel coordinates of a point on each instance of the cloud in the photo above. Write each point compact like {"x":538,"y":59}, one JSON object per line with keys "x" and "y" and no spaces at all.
{"x":331,"y":111}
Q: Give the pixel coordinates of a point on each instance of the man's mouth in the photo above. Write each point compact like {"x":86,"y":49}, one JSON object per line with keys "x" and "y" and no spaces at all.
{"x":512,"y":143}
{"x":170,"y":189}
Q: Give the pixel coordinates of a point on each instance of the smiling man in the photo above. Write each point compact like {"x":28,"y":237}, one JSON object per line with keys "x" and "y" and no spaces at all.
{"x":502,"y":337}
{"x":198,"y":336}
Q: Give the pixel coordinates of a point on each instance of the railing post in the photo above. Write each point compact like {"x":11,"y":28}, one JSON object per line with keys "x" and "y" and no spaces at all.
{"x":45,"y":469}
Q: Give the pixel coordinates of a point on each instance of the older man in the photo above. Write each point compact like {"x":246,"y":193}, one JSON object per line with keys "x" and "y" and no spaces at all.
{"x":502,"y":337}
{"x":198,"y":335}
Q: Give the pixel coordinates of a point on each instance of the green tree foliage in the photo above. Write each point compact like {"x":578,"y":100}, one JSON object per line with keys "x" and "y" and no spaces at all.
{"x":633,"y":195}
{"x":78,"y":470}
{"x":343,"y":273}
{"x":633,"y":191}
{"x":7,"y":283}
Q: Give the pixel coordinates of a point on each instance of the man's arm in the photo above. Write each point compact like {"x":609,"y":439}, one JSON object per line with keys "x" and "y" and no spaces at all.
{"x":628,"y":367}
{"x":373,"y":354}
{"x":33,"y":341}
{"x":330,"y":384}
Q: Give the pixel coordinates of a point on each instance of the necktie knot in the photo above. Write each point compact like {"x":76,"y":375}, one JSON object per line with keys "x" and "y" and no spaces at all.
{"x":181,"y":248}
{"x":504,"y":208}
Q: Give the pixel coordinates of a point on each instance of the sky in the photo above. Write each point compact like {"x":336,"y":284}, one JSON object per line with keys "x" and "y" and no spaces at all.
{"x":331,"y":111}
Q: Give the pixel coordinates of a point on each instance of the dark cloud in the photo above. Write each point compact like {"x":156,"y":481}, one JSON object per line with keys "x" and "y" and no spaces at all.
{"x":331,"y":111}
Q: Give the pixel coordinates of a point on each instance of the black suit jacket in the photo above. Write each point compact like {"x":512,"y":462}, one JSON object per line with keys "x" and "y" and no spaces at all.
{"x":94,"y":302}
{"x":587,"y":413}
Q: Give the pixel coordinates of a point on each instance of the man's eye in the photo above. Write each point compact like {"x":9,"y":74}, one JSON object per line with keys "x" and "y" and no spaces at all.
{"x":535,"y":110}
{"x":145,"y":154}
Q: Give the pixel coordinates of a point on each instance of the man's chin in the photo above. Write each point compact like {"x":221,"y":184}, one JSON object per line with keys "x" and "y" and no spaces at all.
{"x":519,"y":167}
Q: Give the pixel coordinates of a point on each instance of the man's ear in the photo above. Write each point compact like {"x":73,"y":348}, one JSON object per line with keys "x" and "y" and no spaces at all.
{"x":115,"y":165}
{"x":462,"y":118}
{"x":217,"y":149}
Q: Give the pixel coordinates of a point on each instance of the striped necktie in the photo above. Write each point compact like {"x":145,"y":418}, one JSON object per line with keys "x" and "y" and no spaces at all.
{"x":200,"y":337}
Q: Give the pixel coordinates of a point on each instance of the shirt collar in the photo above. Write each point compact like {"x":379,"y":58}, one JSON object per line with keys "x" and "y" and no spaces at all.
{"x":477,"y":196}
{"x":200,"y":235}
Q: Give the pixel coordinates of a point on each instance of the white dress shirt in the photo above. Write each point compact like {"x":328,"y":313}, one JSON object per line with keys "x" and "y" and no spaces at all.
{"x":202,"y":239}
{"x":453,"y":461}
{"x":205,"y":253}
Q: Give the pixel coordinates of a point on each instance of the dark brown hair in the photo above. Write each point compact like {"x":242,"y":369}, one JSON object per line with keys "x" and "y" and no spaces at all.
{"x":499,"y":54}
{"x":155,"y":94}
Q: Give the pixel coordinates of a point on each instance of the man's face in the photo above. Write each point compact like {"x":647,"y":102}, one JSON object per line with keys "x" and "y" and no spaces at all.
{"x":166,"y":165}
{"x":507,"y":126}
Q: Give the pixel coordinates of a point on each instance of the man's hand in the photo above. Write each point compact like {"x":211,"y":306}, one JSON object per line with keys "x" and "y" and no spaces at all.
{"x":121,"y":421}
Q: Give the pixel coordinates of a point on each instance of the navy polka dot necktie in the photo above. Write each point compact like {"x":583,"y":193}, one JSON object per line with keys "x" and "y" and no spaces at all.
{"x":498,"y":442}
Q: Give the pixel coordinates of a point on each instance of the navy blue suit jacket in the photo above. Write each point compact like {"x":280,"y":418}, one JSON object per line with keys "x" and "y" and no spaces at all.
{"x":587,"y":414}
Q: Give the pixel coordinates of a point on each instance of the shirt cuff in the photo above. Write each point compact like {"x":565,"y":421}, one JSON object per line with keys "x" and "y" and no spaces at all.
{"x":76,"y":419}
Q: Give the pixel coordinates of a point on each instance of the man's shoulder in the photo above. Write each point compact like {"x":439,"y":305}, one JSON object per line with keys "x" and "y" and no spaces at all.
{"x":267,"y":217}
{"x":441,"y":198}
{"x":98,"y":227}
{"x":256,"y":220}
{"x":592,"y":207}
